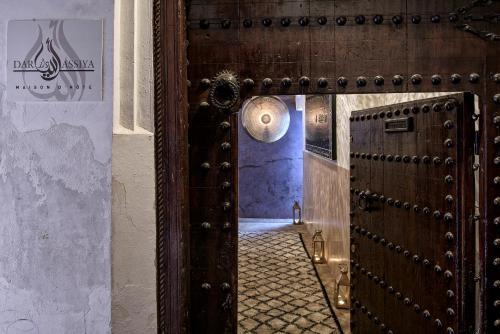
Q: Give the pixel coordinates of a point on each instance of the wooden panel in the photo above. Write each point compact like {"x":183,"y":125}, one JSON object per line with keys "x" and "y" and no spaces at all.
{"x":171,"y":166}
{"x":213,"y":220}
{"x":411,"y":237}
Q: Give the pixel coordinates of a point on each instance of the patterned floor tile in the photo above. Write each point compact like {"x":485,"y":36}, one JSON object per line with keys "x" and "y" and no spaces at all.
{"x":278,"y":288}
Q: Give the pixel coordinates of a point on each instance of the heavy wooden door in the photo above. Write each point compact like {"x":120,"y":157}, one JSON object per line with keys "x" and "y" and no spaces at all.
{"x":411,"y":221}
{"x":214,"y":217}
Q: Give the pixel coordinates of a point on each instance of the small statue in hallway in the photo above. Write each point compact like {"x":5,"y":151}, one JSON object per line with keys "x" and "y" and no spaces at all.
{"x":296,"y":210}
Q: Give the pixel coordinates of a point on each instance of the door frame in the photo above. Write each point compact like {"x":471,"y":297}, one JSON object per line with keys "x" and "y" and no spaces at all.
{"x":171,"y":165}
{"x":172,"y":172}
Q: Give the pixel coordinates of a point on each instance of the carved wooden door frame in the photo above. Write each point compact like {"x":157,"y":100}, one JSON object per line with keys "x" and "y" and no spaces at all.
{"x":172,"y":173}
{"x":171,"y":164}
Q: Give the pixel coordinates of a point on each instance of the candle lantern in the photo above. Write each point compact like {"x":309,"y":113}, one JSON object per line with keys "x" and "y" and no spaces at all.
{"x":342,"y":290}
{"x":318,"y":247}
{"x":297,"y":214}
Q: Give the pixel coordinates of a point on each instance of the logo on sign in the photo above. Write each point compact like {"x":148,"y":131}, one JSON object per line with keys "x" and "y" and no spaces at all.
{"x":60,"y":63}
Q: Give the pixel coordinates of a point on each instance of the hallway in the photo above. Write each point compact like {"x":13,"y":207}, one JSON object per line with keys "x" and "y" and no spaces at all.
{"x":279,"y":290}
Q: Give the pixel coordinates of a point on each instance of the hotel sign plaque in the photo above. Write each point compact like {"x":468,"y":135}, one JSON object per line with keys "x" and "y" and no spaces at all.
{"x":54,"y":60}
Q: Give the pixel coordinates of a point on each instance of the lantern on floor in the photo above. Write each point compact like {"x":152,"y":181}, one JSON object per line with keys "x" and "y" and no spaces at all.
{"x":341,"y":296}
{"x":318,"y":247}
{"x":297,"y":214}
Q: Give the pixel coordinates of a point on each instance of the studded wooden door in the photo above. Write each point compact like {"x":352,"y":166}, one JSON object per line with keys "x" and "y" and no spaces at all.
{"x":411,"y":229}
{"x":213,"y":205}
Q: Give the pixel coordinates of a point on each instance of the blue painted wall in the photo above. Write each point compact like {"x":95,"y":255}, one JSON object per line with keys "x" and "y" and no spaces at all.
{"x":271,"y":175}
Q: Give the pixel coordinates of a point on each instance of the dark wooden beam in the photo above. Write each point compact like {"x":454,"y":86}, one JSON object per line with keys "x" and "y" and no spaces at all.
{"x":170,"y":91}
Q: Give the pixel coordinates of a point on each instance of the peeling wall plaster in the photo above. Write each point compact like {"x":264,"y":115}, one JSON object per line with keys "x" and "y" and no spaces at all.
{"x":55,"y":195}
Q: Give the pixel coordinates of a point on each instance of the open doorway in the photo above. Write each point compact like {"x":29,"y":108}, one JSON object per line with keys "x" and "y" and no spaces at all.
{"x":279,"y":286}
{"x":273,"y":294}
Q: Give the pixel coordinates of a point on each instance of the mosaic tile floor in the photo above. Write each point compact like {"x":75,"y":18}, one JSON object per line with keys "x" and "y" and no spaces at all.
{"x":279,"y":291}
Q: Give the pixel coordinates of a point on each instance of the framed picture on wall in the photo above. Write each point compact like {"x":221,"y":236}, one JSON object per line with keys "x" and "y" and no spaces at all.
{"x":320,"y":126}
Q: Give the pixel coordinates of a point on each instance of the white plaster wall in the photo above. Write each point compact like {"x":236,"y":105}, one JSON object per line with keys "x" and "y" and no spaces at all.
{"x":133,"y":187}
{"x":134,"y":235}
{"x":55,"y":195}
{"x":133,"y":98}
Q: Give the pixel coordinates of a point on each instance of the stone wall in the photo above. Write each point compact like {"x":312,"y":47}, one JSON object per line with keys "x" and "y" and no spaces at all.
{"x":55,"y":195}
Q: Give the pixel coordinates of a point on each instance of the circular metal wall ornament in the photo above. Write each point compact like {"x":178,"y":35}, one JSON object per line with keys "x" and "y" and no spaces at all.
{"x":225,"y":90}
{"x":265,"y":118}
